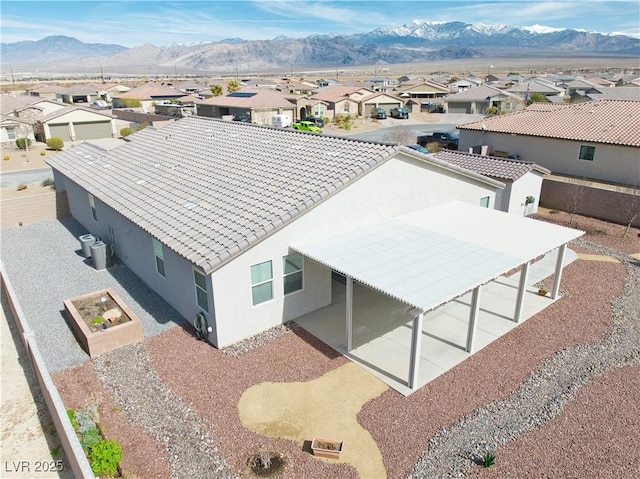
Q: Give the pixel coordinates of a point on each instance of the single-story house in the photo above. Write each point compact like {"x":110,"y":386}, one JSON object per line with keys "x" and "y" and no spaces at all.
{"x":12,"y":128}
{"x":146,"y":96}
{"x":522,"y":179}
{"x":379,"y":100}
{"x":47,"y":91}
{"x":599,"y":140}
{"x":527,"y":88}
{"x":80,"y":93}
{"x":464,"y":84}
{"x":225,"y":221}
{"x":73,"y":123}
{"x":422,"y":95}
{"x":478,"y":99}
{"x":343,"y":100}
{"x":258,"y":105}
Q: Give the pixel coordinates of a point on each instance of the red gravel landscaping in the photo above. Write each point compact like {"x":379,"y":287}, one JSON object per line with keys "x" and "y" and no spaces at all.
{"x":596,"y":428}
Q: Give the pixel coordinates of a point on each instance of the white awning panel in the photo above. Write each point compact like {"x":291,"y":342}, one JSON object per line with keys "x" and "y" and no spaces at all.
{"x":432,"y":256}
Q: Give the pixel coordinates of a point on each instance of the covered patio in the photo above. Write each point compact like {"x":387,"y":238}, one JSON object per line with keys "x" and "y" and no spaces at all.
{"x":425,"y":290}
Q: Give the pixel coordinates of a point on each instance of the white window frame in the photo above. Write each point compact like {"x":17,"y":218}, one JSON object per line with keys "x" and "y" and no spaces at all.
{"x":92,"y":207}
{"x":158,"y":253}
{"x":285,"y":275}
{"x":486,"y":199}
{"x":590,"y":148}
{"x":202,"y":290}
{"x":11,"y":134}
{"x":261,"y":283}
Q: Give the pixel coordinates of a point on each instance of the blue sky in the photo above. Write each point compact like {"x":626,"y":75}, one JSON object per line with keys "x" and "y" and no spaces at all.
{"x":133,"y":23}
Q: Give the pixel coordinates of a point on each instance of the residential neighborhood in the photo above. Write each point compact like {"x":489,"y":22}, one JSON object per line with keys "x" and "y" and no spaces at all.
{"x":338,"y":299}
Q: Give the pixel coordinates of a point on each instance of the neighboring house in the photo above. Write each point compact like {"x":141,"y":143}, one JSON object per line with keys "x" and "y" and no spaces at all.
{"x":75,"y":94}
{"x":523,"y":179}
{"x":29,"y":111}
{"x":422,"y":95}
{"x":258,"y":105}
{"x":146,"y":96}
{"x":297,"y":87}
{"x":191,"y":88}
{"x":381,"y":84}
{"x":528,"y":87}
{"x":343,"y":99}
{"x":12,"y":128}
{"x":306,"y":106}
{"x":478,"y":99}
{"x":599,"y":140}
{"x":379,"y":100}
{"x":464,"y":84}
{"x":46,"y":91}
{"x":74,"y":123}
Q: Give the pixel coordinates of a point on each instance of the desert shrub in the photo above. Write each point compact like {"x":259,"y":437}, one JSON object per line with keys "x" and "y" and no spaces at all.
{"x":130,"y":102}
{"x":86,"y":418}
{"x":126,"y":131}
{"x":433,"y":147}
{"x":47,"y":182}
{"x":55,"y":143}
{"x":6,"y":157}
{"x":72,"y":418}
{"x":142,"y":126}
{"x":90,"y":438}
{"x":23,"y":143}
{"x":42,"y":153}
{"x":21,"y":187}
{"x":104,"y":457}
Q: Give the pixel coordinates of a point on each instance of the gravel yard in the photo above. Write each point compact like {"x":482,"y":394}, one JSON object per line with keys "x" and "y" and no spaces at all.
{"x":555,"y":396}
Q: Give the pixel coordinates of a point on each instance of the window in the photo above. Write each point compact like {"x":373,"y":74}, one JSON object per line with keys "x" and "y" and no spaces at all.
{"x":261,"y":282}
{"x":92,"y":204}
{"x":347,"y":107}
{"x":200,"y":282}
{"x":158,"y":252}
{"x":292,"y":267}
{"x":484,"y":202}
{"x":11,"y":133}
{"x":587,"y":153}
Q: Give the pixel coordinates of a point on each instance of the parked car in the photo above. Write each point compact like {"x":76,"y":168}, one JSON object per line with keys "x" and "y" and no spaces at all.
{"x":281,"y":121}
{"x":245,"y":118}
{"x":319,"y":122}
{"x":379,"y":114}
{"x":419,"y":148}
{"x":446,"y":139}
{"x":306,"y":126}
{"x":400,"y":112}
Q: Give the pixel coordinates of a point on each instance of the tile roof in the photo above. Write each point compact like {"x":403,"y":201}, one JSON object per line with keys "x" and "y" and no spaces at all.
{"x":477,"y":93}
{"x":70,"y":108}
{"x":148,"y":92}
{"x":208,"y":189}
{"x":261,"y":98}
{"x":9,"y":103}
{"x":614,"y":122}
{"x":337,"y":93}
{"x":494,"y":167}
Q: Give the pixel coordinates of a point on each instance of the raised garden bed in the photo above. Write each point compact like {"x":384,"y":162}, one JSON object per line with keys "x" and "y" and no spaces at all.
{"x":329,"y":448}
{"x":102,"y":322}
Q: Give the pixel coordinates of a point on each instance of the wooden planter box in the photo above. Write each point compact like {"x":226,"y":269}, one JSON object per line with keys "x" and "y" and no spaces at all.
{"x":96,"y":343}
{"x":329,"y":448}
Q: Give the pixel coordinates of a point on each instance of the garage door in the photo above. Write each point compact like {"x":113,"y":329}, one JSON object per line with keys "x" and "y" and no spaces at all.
{"x":388,"y":106}
{"x":453,"y":107}
{"x":60,"y":131}
{"x":93,"y":130}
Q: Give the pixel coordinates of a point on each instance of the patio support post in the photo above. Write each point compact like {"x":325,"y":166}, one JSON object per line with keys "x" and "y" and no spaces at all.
{"x":522,"y":289}
{"x":473,"y":316}
{"x":416,"y":336}
{"x":559,"y":261}
{"x":349,"y":313}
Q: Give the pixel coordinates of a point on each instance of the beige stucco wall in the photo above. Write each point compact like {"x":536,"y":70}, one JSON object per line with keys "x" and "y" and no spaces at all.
{"x":401,"y":185}
{"x":613,"y":163}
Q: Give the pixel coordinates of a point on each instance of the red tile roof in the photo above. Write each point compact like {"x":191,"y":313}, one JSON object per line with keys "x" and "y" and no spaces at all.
{"x":615,"y":122}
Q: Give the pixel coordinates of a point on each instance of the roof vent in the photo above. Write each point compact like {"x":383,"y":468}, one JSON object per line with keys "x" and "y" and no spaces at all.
{"x":141,"y":182}
{"x":106,"y":166}
{"x":189,"y":205}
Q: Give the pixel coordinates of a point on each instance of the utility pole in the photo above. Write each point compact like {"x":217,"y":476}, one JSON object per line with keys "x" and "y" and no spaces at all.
{"x":13,"y":80}
{"x":101,"y":73}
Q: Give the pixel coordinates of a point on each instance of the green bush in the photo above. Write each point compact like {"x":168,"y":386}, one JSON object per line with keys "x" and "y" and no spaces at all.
{"x":23,"y":143}
{"x":90,"y":438}
{"x":42,"y":153}
{"x":47,"y":182}
{"x":72,"y":417}
{"x":104,"y":457}
{"x":129,"y":102}
{"x":126,"y":131}
{"x":55,"y":143}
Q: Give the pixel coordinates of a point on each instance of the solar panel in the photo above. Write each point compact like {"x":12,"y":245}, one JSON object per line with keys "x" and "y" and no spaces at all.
{"x":242,"y":94}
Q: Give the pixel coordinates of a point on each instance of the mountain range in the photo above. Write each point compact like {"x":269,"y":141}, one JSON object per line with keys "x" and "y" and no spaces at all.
{"x":417,"y":41}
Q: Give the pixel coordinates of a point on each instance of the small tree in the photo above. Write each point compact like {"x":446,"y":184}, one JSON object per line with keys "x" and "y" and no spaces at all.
{"x":232,"y":86}
{"x":433,"y":147}
{"x":402,"y":135}
{"x":216,"y":90}
{"x":629,"y":203}
{"x":574,"y":196}
{"x":536,"y":98}
{"x":126,"y":131}
{"x":55,"y":144}
{"x":142,"y":126}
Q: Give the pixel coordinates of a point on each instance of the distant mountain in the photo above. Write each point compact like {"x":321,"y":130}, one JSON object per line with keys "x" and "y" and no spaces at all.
{"x":417,"y":41}
{"x":55,"y":48}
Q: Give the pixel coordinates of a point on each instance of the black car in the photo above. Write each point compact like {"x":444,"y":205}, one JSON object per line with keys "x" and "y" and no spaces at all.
{"x":399,"y":112}
{"x":319,"y":122}
{"x":379,"y":114}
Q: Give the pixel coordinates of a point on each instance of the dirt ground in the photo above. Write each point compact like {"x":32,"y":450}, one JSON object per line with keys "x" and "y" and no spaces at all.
{"x":25,"y":160}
